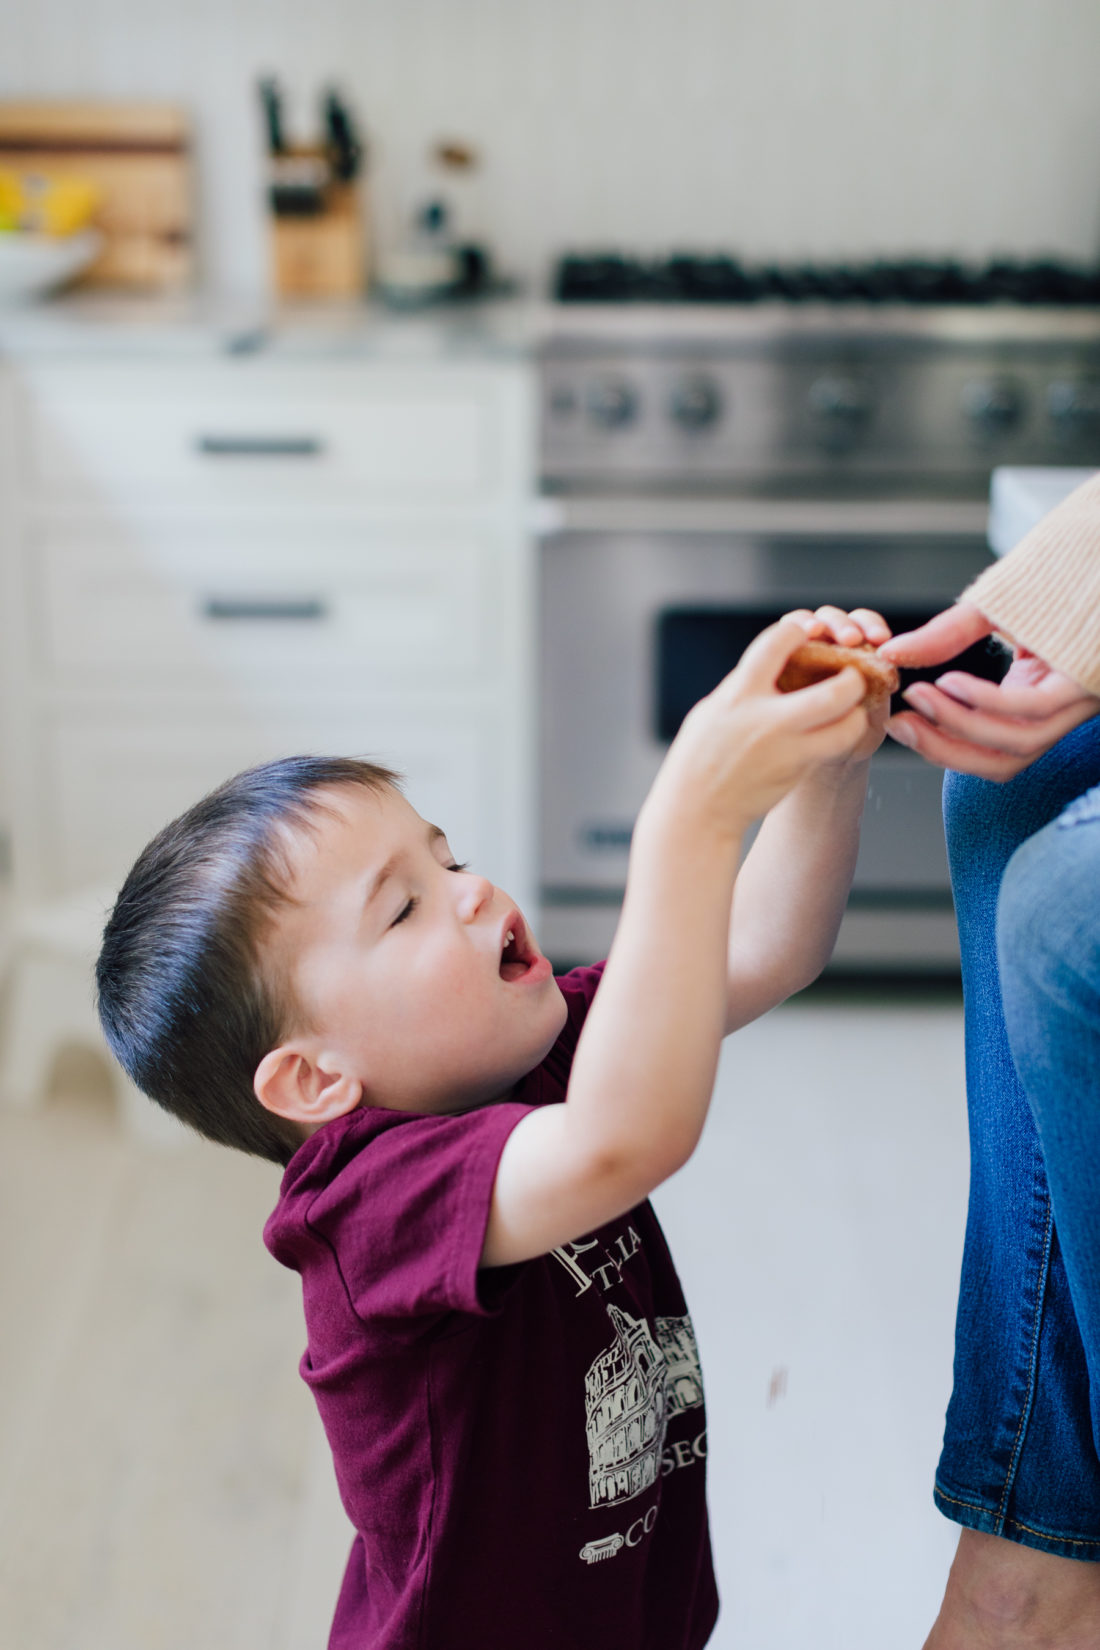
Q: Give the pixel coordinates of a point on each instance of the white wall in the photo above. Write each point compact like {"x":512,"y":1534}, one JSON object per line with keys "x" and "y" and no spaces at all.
{"x":768,"y":127}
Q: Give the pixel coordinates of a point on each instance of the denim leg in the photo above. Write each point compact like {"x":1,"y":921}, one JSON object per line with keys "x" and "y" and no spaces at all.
{"x":1018,"y":1459}
{"x":1048,"y":946}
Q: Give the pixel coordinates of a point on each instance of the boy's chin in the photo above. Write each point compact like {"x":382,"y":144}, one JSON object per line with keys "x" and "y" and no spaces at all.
{"x":540,"y":1032}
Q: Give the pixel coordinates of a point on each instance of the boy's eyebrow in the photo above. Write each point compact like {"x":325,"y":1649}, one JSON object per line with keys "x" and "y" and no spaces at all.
{"x":377,"y":878}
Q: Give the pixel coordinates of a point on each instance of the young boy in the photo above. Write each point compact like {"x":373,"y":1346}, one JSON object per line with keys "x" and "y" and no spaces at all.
{"x":497,"y":1339}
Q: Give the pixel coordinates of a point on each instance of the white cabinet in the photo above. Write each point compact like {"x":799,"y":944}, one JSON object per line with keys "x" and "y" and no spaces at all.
{"x":158,"y":606}
{"x":211,"y":563}
{"x":411,"y":435}
{"x":114,"y":779}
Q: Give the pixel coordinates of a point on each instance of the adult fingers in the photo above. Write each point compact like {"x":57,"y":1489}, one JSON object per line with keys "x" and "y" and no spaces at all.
{"x":942,"y":638}
{"x":943,"y":752}
{"x":1029,"y":701}
{"x":1001,"y":733}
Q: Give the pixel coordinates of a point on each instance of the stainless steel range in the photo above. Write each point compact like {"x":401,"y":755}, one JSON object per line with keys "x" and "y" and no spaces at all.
{"x":721,"y":444}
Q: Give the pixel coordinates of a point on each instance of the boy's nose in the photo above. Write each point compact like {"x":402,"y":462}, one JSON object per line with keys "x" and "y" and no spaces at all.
{"x":476,"y":893}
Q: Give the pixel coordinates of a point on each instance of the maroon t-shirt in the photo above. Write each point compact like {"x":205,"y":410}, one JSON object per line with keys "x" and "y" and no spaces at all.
{"x":521,"y":1449}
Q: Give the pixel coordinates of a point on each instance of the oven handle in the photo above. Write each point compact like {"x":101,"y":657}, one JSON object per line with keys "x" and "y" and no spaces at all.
{"x":800,"y":518}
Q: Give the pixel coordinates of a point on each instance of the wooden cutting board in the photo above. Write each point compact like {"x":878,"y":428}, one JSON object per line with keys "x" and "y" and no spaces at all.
{"x":138,"y":156}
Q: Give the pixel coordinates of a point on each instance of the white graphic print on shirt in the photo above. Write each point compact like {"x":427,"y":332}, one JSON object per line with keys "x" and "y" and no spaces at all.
{"x":685,"y":1375}
{"x":631,"y":1390}
{"x":636,"y":1385}
{"x":605,"y":1272}
{"x":624,"y":1400}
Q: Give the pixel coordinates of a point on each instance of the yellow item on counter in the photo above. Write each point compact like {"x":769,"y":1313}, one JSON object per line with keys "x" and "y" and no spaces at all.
{"x":11,"y":200}
{"x":44,"y":204}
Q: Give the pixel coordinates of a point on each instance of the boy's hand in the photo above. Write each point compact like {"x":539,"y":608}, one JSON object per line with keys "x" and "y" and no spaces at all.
{"x":743,"y":747}
{"x":644,"y":1068}
{"x":853,"y":629}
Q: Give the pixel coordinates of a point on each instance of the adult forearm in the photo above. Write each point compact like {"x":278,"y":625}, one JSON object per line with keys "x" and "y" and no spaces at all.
{"x":1045,"y":593}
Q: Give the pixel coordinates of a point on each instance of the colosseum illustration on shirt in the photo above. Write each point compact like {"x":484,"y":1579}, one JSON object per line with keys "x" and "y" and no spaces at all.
{"x":632,"y":1390}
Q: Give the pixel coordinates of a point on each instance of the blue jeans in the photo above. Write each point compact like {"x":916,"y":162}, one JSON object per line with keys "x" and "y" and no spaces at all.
{"x":1021,"y":1454}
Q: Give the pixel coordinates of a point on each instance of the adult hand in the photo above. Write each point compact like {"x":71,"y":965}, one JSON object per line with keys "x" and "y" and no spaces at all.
{"x":990,"y":729}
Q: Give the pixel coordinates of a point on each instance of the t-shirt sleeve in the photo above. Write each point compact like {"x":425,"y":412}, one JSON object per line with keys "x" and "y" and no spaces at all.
{"x":405,"y":1217}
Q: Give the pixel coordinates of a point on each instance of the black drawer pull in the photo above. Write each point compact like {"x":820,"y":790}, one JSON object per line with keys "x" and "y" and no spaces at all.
{"x":260,"y":446}
{"x":305,"y":609}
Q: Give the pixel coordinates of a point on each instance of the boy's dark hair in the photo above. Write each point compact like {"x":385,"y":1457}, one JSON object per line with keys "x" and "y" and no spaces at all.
{"x":186,"y":1004}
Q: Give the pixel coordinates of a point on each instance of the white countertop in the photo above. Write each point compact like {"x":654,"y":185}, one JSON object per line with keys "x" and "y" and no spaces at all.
{"x":1021,"y":496}
{"x":98,"y":325}
{"x":204,"y":324}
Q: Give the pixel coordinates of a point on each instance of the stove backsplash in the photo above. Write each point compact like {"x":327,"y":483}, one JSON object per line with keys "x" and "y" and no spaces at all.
{"x":782,"y":130}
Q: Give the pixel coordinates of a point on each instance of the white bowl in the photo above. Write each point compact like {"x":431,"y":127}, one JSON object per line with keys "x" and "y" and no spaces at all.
{"x":409,"y":280}
{"x":31,"y":265}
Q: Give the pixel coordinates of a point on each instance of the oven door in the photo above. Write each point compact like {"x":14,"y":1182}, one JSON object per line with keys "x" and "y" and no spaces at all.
{"x":637,"y":624}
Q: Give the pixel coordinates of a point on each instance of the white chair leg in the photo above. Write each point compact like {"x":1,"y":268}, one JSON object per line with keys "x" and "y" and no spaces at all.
{"x":144,"y":1119}
{"x":48,"y":1004}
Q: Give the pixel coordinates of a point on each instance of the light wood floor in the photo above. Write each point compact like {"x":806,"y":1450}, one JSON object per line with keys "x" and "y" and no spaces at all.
{"x":162,"y":1482}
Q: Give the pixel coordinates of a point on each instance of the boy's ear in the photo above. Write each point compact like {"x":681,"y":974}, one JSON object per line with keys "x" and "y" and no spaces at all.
{"x":293,"y":1084}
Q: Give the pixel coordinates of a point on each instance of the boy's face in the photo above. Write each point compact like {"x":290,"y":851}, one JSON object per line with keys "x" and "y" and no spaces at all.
{"x":402,"y":964}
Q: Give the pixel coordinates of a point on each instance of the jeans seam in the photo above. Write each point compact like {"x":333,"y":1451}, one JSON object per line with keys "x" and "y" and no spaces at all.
{"x":1033,"y":1364}
{"x":1029,"y":1529}
{"x":1083,"y":810}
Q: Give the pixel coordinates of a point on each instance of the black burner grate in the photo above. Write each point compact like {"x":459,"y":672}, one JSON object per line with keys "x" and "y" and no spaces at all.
{"x":683,"y":278}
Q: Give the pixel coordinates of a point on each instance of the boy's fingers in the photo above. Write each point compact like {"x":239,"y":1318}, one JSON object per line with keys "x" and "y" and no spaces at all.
{"x":872,"y":624}
{"x":839,"y":737}
{"x":944,"y":637}
{"x":766,"y":654}
{"x":824,"y":702}
{"x":841,"y":625}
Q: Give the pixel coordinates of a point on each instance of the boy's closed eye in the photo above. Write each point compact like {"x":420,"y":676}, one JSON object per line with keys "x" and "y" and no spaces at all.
{"x":413,"y":901}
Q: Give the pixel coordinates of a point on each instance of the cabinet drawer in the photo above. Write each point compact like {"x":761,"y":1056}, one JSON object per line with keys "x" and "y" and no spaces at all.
{"x":112,"y":783}
{"x":399,"y":436}
{"x":220,"y":610}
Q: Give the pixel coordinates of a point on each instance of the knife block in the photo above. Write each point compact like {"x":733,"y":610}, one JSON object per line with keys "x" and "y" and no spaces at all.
{"x":324,"y":255}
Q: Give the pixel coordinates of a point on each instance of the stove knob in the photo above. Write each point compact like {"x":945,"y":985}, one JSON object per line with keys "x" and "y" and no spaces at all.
{"x":841,"y":406}
{"x":1075,"y":408}
{"x":562,"y":401}
{"x":612,"y":403}
{"x":696,"y":403}
{"x":994,"y":406}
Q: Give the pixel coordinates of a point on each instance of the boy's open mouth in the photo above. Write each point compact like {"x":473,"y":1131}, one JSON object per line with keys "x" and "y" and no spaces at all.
{"x":517,"y":953}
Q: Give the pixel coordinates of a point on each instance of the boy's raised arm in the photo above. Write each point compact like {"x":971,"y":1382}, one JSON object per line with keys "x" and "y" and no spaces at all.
{"x":790,"y":893}
{"x":646,"y":1060}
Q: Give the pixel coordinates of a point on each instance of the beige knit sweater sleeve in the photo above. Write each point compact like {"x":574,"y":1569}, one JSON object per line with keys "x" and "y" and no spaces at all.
{"x":1045,"y":594}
